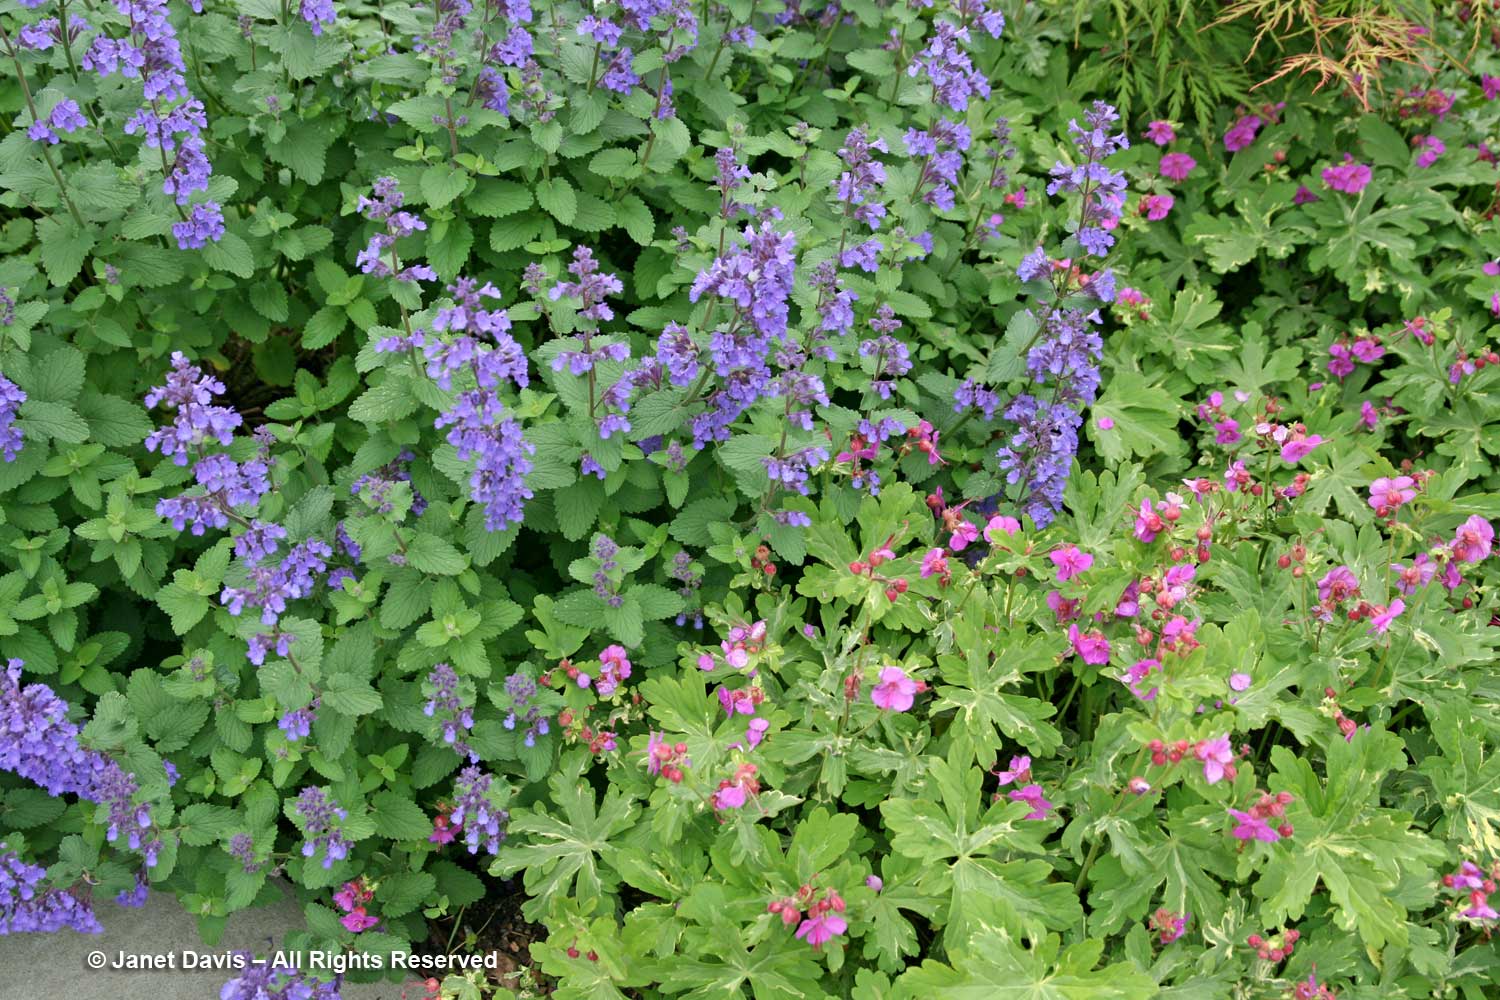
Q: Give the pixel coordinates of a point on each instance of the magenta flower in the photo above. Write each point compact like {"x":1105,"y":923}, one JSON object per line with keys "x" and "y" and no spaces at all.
{"x":1240,"y":682}
{"x":1137,"y":675}
{"x":1348,"y":177}
{"x":1384,"y":616}
{"x":1155,"y":206}
{"x":357,"y":920}
{"x":1160,"y":132}
{"x":1297,"y":449}
{"x":1070,"y":561}
{"x":895,"y":692}
{"x":1019,"y":771}
{"x":1217,"y":756}
{"x":1479,"y":907}
{"x":1242,"y":133}
{"x":1388,"y":494}
{"x":1490,"y":85}
{"x":1251,"y":827}
{"x":819,"y":930}
{"x":1429,"y":148}
{"x":756,"y":732}
{"x":935,"y":562}
{"x":1177,"y":166}
{"x":1338,"y":584}
{"x":1472,"y":540}
{"x":1368,"y":415}
{"x":1091,"y":647}
{"x":874,"y":882}
{"x":1469,"y":876}
{"x":1032,"y":795}
{"x":729,"y":797}
{"x":1419,"y":574}
{"x":1000,"y":524}
{"x":965,"y":533}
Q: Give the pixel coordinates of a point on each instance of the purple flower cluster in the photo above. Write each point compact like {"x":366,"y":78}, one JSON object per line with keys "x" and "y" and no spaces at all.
{"x":11,"y":398}
{"x":317,"y":13}
{"x":859,"y":185}
{"x":152,"y":53}
{"x":521,"y":690}
{"x":64,"y":117}
{"x":260,"y":980}
{"x":321,"y":817}
{"x":270,"y":588}
{"x":297,"y":724}
{"x":474,"y":810}
{"x":606,"y":577}
{"x":28,"y":906}
{"x":203,"y":226}
{"x":892,"y":358}
{"x":450,"y":701}
{"x":190,"y":394}
{"x":383,"y":204}
{"x":947,"y":66}
{"x":40,"y":744}
{"x":941,"y":148}
{"x":375,"y":488}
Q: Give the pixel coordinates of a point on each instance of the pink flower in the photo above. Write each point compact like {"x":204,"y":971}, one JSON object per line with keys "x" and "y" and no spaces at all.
{"x":729,"y":797}
{"x":895,"y":691}
{"x":1419,"y":574}
{"x":442,"y":831}
{"x":1490,"y":85}
{"x":614,"y":668}
{"x":1019,"y":771}
{"x":1253,"y":827}
{"x":1383,"y":617}
{"x":1340,"y":364}
{"x":1338,"y":585}
{"x":1239,"y":682}
{"x":965,"y":533}
{"x":1242,"y":133}
{"x":874,"y":882}
{"x":1155,"y":206}
{"x":1160,"y":132}
{"x":1217,"y":757}
{"x":756,"y":732}
{"x":1106,"y":423}
{"x":1297,"y":449}
{"x":1429,"y":148}
{"x":1368,"y":349}
{"x":1471,"y":542}
{"x":819,"y":930}
{"x":1137,"y":675}
{"x":1348,"y":177}
{"x":1091,"y":647}
{"x":356,"y":920}
{"x":1368,"y":415}
{"x":1479,"y":907}
{"x":1000,"y":524}
{"x":1236,"y":476}
{"x":1491,"y":268}
{"x":935,"y":562}
{"x":737,"y":700}
{"x":1070,"y":561}
{"x":1388,"y":494}
{"x":1226,"y":431}
{"x":1033,"y":796}
{"x":1304,"y":195}
{"x":1176,"y":166}
{"x":1469,"y":876}
{"x":1063,"y":608}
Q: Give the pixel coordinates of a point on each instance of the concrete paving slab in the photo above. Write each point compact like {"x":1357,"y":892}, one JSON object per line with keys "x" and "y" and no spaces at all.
{"x":56,"y":966}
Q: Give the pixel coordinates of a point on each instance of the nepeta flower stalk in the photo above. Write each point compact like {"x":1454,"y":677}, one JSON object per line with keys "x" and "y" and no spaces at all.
{"x":11,"y":439}
{"x":321,"y":817}
{"x":475,"y":811}
{"x":28,"y":905}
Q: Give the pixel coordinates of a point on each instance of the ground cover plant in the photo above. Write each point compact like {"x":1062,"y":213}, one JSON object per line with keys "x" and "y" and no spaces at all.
{"x":776,"y":501}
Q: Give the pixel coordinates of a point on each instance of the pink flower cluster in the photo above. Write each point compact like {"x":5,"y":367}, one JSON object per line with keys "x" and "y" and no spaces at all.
{"x":1366,"y":349}
{"x":741,"y":643}
{"x":1256,"y":823}
{"x":1477,"y":885}
{"x":352,"y":899}
{"x":1027,"y":791}
{"x":823,"y":920}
